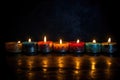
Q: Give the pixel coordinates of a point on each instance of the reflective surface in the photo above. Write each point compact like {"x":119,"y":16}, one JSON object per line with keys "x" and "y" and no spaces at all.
{"x":63,"y":67}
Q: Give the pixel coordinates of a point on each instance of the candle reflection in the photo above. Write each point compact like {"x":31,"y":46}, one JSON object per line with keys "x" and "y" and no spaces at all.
{"x":30,"y":62}
{"x":60,"y":62}
{"x":77,"y":63}
{"x":45,"y":63}
{"x":108,"y":72}
{"x":44,"y":70}
{"x":30,"y":75}
{"x":19,"y":62}
{"x":60,"y":75}
{"x":93,"y":68}
{"x":60,"y":70}
{"x":76,"y":71}
{"x":108,"y":61}
{"x":93,"y":63}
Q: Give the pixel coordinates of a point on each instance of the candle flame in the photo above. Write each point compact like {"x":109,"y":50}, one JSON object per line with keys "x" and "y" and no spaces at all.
{"x":60,"y":41}
{"x":109,"y":40}
{"x":29,"y":40}
{"x":94,"y":41}
{"x":18,"y":42}
{"x":45,"y":39}
{"x":78,"y":40}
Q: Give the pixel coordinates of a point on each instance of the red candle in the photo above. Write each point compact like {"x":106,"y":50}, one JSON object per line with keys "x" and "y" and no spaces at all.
{"x":76,"y":46}
{"x":45,"y":46}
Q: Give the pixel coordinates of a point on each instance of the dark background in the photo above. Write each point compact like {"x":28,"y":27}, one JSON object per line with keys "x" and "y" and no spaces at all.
{"x":66,"y":19}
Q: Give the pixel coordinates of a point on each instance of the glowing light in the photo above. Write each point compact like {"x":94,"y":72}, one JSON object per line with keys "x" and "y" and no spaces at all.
{"x":78,"y":40}
{"x":109,"y":40}
{"x":77,"y":65}
{"x":30,"y":75}
{"x":76,"y":71}
{"x":19,"y":42}
{"x":60,"y":70}
{"x":44,"y":69}
{"x":45,"y":39}
{"x":60,"y":62}
{"x":29,"y":40}
{"x":94,"y":41}
{"x":109,"y":63}
{"x":93,"y":65}
{"x":19,"y":62}
{"x":30,"y":64}
{"x":45,"y":63}
{"x":60,"y":41}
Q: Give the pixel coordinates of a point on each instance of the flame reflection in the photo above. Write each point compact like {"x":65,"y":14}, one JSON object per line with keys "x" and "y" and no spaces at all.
{"x":45,"y":63}
{"x":60,"y":62}
{"x":30,"y":75}
{"x":93,"y":63}
{"x":77,"y":63}
{"x":19,"y":62}
{"x":44,"y":69}
{"x":76,"y":71}
{"x":30,"y":62}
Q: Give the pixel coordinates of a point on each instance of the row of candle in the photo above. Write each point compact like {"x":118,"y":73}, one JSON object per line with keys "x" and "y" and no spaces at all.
{"x":61,"y":46}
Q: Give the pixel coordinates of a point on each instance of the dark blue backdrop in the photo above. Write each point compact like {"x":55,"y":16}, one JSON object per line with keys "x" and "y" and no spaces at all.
{"x":67,"y":19}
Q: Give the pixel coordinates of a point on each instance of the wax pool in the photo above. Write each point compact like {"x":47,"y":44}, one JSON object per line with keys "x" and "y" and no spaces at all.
{"x":109,"y":47}
{"x":93,"y":47}
{"x":15,"y":47}
{"x":60,"y":46}
{"x":45,"y":46}
{"x":29,"y":46}
{"x":76,"y":46}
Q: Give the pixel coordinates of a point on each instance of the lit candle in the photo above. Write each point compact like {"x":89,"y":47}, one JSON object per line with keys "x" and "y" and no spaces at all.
{"x":60,"y":46}
{"x":93,"y":47}
{"x":109,"y":47}
{"x":77,"y":46}
{"x":45,"y":46}
{"x":15,"y":47}
{"x":29,"y":47}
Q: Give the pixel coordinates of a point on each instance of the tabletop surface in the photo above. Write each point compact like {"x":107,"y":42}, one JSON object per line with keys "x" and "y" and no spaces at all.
{"x":62,"y":67}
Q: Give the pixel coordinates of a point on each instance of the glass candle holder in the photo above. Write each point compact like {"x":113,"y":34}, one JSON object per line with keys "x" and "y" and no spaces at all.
{"x":14,"y":47}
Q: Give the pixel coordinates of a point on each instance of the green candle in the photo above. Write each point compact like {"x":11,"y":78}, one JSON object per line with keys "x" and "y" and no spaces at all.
{"x":93,"y":47}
